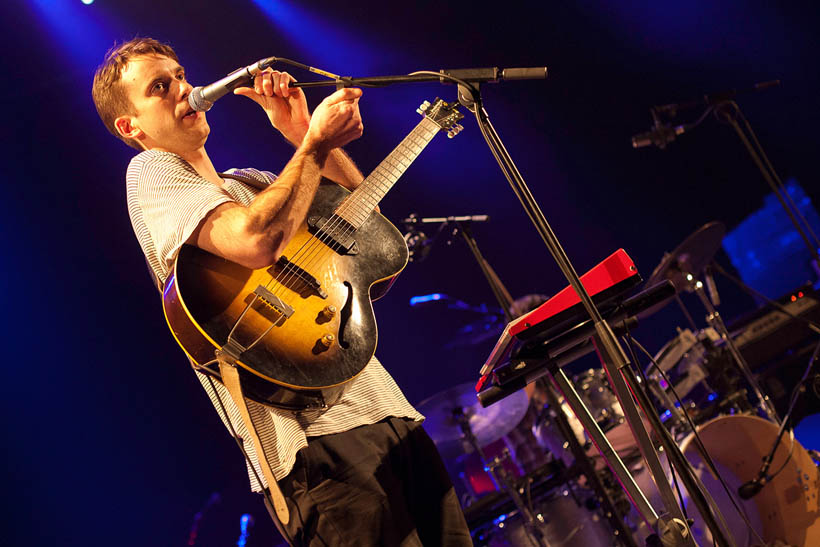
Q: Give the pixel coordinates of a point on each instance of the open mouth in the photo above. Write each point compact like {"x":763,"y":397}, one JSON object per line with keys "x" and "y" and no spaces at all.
{"x":190,"y":114}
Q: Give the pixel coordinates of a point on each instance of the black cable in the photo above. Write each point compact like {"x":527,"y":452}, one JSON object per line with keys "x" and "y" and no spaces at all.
{"x":627,"y":338}
{"x":707,"y":458}
{"x":793,"y":401}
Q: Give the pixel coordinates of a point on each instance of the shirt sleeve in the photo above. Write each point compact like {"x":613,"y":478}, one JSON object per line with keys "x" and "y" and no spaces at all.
{"x":173,"y":199}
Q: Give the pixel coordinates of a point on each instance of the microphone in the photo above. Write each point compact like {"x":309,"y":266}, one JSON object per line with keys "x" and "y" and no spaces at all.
{"x":202,"y":98}
{"x":750,"y":489}
{"x":495,"y":74}
{"x":660,"y":136}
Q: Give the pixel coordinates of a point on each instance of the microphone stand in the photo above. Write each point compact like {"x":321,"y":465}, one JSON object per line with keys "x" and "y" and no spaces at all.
{"x":749,"y":489}
{"x":672,"y":527}
{"x":727,"y":111}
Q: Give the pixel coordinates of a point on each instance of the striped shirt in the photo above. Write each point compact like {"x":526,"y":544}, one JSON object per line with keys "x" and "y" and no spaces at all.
{"x":167,"y":199}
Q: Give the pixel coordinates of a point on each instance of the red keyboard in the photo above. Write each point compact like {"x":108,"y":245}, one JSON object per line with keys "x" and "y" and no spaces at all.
{"x":615,"y":272}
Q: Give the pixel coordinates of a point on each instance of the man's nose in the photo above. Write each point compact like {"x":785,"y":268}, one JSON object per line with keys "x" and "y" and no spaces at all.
{"x":184,"y":90}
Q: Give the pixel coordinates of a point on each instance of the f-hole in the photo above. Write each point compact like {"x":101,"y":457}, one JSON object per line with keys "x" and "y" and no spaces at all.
{"x":344,"y":316}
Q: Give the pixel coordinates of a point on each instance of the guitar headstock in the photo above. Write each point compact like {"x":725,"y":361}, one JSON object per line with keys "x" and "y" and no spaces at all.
{"x":444,"y":114}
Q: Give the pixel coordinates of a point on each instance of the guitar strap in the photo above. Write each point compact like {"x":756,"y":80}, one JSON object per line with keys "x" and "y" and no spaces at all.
{"x":252,"y":182}
{"x":230,"y":378}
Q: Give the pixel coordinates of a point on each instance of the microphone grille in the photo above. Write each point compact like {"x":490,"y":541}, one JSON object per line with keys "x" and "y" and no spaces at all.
{"x":197,"y":101}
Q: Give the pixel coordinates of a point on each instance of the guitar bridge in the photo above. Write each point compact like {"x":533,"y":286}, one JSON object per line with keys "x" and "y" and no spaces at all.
{"x":273,"y":302}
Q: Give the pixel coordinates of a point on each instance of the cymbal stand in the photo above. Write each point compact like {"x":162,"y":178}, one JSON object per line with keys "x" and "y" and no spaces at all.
{"x":697,"y":490}
{"x":601,"y":442}
{"x":587,"y":467}
{"x":533,"y":526}
{"x":716,"y":322}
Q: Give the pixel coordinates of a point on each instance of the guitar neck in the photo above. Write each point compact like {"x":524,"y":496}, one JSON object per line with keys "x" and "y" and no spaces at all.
{"x":362,"y":201}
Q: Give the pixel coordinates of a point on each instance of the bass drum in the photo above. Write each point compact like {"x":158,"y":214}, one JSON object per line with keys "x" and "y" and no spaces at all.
{"x":786,"y":509}
{"x":785,"y":512}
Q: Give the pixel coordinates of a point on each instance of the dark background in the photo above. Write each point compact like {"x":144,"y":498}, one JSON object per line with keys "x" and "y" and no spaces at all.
{"x":108,"y":437}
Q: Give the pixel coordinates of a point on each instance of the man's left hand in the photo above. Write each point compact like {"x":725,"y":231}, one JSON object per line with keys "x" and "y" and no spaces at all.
{"x":285,"y":106}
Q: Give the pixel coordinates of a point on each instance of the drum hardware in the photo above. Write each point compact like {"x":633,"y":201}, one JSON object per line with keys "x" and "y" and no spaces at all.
{"x":533,"y":524}
{"x":682,"y":267}
{"x":751,"y":488}
{"x":447,"y":410}
{"x":705,"y":461}
{"x":702,"y":376}
{"x":613,"y":511}
{"x":522,"y":371}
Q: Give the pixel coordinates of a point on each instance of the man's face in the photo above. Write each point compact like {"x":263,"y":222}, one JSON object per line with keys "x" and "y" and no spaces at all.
{"x":157,"y":89}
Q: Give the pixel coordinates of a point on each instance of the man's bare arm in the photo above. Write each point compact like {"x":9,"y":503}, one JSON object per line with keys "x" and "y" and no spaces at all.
{"x":255,"y":236}
{"x":288,"y":113}
{"x":340,"y":169}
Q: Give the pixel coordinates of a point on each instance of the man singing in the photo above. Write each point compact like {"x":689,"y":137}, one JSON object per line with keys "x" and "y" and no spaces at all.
{"x":362,"y":471}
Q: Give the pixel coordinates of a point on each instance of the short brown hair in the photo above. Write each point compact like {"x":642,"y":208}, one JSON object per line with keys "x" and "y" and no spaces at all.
{"x":107,"y":90}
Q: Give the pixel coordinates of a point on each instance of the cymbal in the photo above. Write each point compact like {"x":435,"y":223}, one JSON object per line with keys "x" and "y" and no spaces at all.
{"x":691,"y":256}
{"x":487,"y":424}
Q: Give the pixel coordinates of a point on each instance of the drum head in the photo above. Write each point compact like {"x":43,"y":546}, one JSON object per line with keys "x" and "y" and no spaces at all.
{"x":786,"y":509}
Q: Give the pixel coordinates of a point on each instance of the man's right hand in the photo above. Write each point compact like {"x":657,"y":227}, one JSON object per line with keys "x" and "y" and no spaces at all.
{"x":336,"y":121}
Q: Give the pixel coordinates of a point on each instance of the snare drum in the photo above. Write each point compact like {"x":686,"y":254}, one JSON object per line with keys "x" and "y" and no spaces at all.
{"x":593,"y":389}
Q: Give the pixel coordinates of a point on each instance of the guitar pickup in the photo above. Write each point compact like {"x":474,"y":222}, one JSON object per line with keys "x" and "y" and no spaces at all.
{"x":295,"y":278}
{"x":338,"y":237}
{"x":274,"y":302}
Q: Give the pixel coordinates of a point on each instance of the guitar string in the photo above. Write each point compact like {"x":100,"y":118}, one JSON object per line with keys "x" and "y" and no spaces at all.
{"x":378,"y":180}
{"x":316,"y":245}
{"x":381,"y":179}
{"x":346,"y":206}
{"x":311,"y":253}
{"x":313,"y":241}
{"x":350,"y":215}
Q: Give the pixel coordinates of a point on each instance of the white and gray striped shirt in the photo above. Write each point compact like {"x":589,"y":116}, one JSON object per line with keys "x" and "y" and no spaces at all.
{"x":167,"y":199}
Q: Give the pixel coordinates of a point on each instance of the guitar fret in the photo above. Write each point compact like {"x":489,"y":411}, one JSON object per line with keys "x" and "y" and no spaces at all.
{"x":359,"y":204}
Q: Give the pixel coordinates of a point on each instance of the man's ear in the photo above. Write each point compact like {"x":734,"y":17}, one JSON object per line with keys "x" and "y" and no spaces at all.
{"x":127,"y":128}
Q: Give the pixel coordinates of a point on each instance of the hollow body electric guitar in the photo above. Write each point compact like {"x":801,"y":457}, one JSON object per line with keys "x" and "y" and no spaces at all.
{"x":301,"y":328}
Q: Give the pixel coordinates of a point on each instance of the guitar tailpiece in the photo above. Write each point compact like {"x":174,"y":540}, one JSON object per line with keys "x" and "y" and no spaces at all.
{"x":230,"y":352}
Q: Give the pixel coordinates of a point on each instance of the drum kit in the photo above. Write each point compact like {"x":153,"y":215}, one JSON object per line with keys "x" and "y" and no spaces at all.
{"x":528,"y":473}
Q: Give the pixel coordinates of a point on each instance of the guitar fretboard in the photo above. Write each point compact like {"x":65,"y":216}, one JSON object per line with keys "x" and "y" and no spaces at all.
{"x":361,"y":202}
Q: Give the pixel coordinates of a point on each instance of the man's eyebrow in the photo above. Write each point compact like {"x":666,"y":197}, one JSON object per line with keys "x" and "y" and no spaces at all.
{"x":160,"y":74}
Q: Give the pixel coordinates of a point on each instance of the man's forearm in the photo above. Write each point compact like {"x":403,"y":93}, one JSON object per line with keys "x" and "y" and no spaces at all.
{"x":280,"y":209}
{"x":340,"y":169}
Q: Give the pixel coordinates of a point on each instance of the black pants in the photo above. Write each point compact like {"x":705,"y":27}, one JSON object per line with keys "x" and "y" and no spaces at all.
{"x":381,"y":484}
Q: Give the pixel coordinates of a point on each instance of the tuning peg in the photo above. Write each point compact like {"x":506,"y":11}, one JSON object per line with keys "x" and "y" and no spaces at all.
{"x":423,"y":107}
{"x":455,"y":130}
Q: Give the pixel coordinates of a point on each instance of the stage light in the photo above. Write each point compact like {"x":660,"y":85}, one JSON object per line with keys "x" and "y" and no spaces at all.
{"x":87,"y":2}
